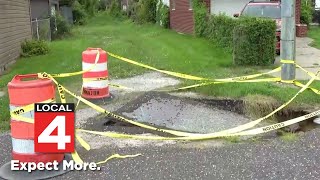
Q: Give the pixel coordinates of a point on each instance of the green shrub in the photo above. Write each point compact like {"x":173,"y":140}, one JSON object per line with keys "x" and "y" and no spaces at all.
{"x":115,"y":8}
{"x":79,"y":14}
{"x":162,"y":16}
{"x":200,"y":17}
{"x":90,"y":6}
{"x":34,"y":48}
{"x":60,"y":28}
{"x":220,"y":30}
{"x":254,"y":41}
{"x":146,"y":11}
{"x":103,"y":5}
{"x":44,"y":32}
{"x":132,"y":9}
{"x":306,"y":12}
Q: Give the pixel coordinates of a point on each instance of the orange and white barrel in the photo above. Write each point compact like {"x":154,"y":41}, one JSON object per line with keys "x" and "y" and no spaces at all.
{"x":95,"y":81}
{"x":24,"y":90}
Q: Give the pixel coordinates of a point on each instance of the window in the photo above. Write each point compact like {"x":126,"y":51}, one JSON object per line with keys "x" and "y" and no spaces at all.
{"x":190,"y":4}
{"x":173,"y":4}
{"x":265,"y":11}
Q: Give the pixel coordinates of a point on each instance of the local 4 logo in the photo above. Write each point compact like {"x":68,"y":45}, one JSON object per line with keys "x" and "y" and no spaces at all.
{"x":54,"y":127}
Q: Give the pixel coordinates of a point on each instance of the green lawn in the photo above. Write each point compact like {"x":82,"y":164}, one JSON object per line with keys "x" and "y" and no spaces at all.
{"x":152,"y":45}
{"x":314,"y":33}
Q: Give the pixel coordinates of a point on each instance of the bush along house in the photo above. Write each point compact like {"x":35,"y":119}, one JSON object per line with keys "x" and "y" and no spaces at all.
{"x":182,"y":19}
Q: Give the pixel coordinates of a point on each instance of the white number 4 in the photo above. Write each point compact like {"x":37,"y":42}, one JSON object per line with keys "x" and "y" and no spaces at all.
{"x":61,"y":139}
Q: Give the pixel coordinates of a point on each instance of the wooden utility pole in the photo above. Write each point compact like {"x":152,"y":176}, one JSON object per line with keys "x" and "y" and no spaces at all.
{"x":288,"y":40}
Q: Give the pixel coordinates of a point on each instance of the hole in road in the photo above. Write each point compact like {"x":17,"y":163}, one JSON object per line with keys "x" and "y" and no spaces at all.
{"x":198,"y":115}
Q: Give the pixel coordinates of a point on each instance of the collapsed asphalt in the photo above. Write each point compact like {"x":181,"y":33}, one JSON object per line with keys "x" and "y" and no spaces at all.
{"x":271,"y":158}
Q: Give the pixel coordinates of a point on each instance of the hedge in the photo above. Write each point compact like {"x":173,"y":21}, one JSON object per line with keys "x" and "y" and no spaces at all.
{"x":115,"y":8}
{"x":220,"y":28}
{"x":146,"y":11}
{"x":254,"y":41}
{"x":200,"y":17}
{"x":306,"y":12}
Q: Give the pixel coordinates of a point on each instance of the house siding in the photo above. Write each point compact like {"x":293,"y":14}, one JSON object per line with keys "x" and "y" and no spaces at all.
{"x":181,"y":17}
{"x":14,"y":28}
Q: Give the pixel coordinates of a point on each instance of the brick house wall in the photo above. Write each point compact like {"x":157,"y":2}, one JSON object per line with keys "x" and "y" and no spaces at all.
{"x":14,"y":28}
{"x":181,"y":16}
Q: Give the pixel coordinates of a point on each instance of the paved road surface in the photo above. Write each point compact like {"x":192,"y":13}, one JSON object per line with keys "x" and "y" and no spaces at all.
{"x":267,"y":159}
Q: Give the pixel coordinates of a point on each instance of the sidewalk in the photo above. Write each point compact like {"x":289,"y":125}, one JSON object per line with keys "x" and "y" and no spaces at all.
{"x":306,"y":56}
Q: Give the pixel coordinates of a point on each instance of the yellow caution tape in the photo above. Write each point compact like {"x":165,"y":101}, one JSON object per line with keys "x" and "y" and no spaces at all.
{"x":287,"y":61}
{"x":61,"y":94}
{"x":190,"y":77}
{"x":278,"y":125}
{"x":117,"y":156}
{"x":75,"y":156}
{"x":81,"y":95}
{"x":78,"y":160}
{"x":21,"y":118}
{"x":101,"y":110}
{"x":180,"y":133}
{"x":79,"y":72}
{"x":242,"y":78}
{"x":82,"y":142}
{"x":287,"y":81}
{"x":311,"y":74}
{"x":297,"y":83}
{"x":185,"y":76}
{"x":205,"y":84}
{"x":204,"y":136}
{"x":27,"y":108}
{"x":210,"y":83}
{"x":16,"y":114}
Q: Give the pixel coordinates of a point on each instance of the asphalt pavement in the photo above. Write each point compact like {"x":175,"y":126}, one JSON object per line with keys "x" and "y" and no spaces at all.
{"x":263,"y":159}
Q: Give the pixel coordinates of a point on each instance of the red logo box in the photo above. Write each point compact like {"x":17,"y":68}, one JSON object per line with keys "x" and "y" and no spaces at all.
{"x":54,"y":127}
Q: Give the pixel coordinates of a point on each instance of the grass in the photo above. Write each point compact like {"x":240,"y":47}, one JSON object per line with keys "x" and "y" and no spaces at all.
{"x":151,"y":45}
{"x":233,"y":139}
{"x":314,"y":33}
{"x":289,"y":136}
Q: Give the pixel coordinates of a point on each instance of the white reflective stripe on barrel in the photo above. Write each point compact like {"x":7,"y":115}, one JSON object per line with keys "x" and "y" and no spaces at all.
{"x":29,"y":114}
{"x":98,"y":67}
{"x":23,"y":146}
{"x":96,"y":84}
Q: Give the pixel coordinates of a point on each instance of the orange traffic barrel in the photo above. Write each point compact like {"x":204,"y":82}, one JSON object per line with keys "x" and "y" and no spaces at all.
{"x":95,"y":81}
{"x":24,"y":90}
